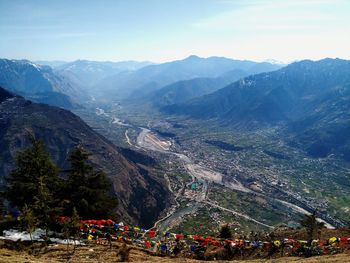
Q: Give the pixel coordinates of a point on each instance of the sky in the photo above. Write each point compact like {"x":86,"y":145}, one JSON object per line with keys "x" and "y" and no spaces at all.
{"x":165,"y":30}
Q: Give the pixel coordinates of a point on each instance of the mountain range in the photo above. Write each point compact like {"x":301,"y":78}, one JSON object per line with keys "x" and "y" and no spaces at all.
{"x":184,"y":90}
{"x":141,"y":191}
{"x":89,"y":73}
{"x":310,"y":99}
{"x":69,"y":84}
{"x":138,"y":83}
{"x":304,"y":104}
{"x":38,"y":83}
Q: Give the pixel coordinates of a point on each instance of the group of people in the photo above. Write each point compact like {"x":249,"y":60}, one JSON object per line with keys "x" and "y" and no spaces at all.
{"x":194,"y":246}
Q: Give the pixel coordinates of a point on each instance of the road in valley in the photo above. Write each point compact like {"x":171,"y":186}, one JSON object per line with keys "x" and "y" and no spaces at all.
{"x":147,"y":140}
{"x":127,"y":138}
{"x":237,"y":214}
{"x":198,"y":173}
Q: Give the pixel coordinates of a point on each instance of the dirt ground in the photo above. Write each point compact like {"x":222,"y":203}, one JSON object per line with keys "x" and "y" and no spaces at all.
{"x":99,"y":253}
{"x":301,"y":234}
{"x":102,"y":253}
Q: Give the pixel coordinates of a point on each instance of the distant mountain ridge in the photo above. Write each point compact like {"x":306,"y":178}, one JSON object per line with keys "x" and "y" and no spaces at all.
{"x":153,"y":77}
{"x":38,"y":83}
{"x":312,"y":98}
{"x":141,"y":192}
{"x":90,"y":72}
{"x":69,"y":83}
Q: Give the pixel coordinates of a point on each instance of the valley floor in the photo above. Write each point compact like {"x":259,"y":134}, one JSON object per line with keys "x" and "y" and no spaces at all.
{"x":104,"y":254}
{"x":250,"y":185}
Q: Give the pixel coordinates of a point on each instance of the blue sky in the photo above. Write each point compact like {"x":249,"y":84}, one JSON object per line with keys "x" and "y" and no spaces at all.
{"x":164,"y":30}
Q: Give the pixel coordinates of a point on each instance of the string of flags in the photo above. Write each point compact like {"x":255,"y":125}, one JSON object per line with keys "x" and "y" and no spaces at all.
{"x":162,"y":241}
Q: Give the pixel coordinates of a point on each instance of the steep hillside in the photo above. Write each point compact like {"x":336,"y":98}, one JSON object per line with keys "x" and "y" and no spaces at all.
{"x":153,"y":77}
{"x":311,"y":99}
{"x":38,"y":83}
{"x":141,"y":192}
{"x":182,"y":91}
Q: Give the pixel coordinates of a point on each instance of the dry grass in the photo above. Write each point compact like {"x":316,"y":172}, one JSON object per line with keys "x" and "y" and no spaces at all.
{"x":100,"y":253}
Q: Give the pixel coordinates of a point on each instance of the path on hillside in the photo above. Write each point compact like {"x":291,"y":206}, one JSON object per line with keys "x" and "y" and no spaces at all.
{"x":237,"y":214}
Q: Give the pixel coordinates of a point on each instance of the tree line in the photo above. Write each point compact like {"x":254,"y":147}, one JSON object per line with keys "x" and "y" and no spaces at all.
{"x":42,"y":192}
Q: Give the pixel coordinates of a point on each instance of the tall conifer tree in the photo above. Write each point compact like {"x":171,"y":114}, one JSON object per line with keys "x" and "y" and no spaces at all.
{"x":31,"y":165}
{"x":88,"y":189}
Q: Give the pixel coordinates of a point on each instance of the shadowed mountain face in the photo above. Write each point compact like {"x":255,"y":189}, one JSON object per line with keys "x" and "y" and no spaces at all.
{"x":141,"y":192}
{"x":38,"y":83}
{"x":4,"y":95}
{"x":311,"y":100}
{"x":150,"y":78}
{"x":182,"y":91}
{"x":185,"y":90}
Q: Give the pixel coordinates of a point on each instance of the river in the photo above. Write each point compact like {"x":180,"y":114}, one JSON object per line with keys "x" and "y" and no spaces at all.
{"x":150,"y":141}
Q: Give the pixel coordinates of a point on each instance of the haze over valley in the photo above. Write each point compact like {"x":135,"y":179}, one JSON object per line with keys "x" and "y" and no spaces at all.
{"x":193,"y":130}
{"x":253,"y":129}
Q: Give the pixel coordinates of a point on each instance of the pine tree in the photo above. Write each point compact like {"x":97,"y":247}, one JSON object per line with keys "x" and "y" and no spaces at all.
{"x":44,"y":207}
{"x":88,"y":190}
{"x":31,"y":164}
{"x":99,"y":192}
{"x":74,"y":228}
{"x":71,"y":228}
{"x":29,"y":221}
{"x":311,"y":224}
{"x":2,"y":206}
{"x":65,"y":231}
{"x":225,"y":232}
